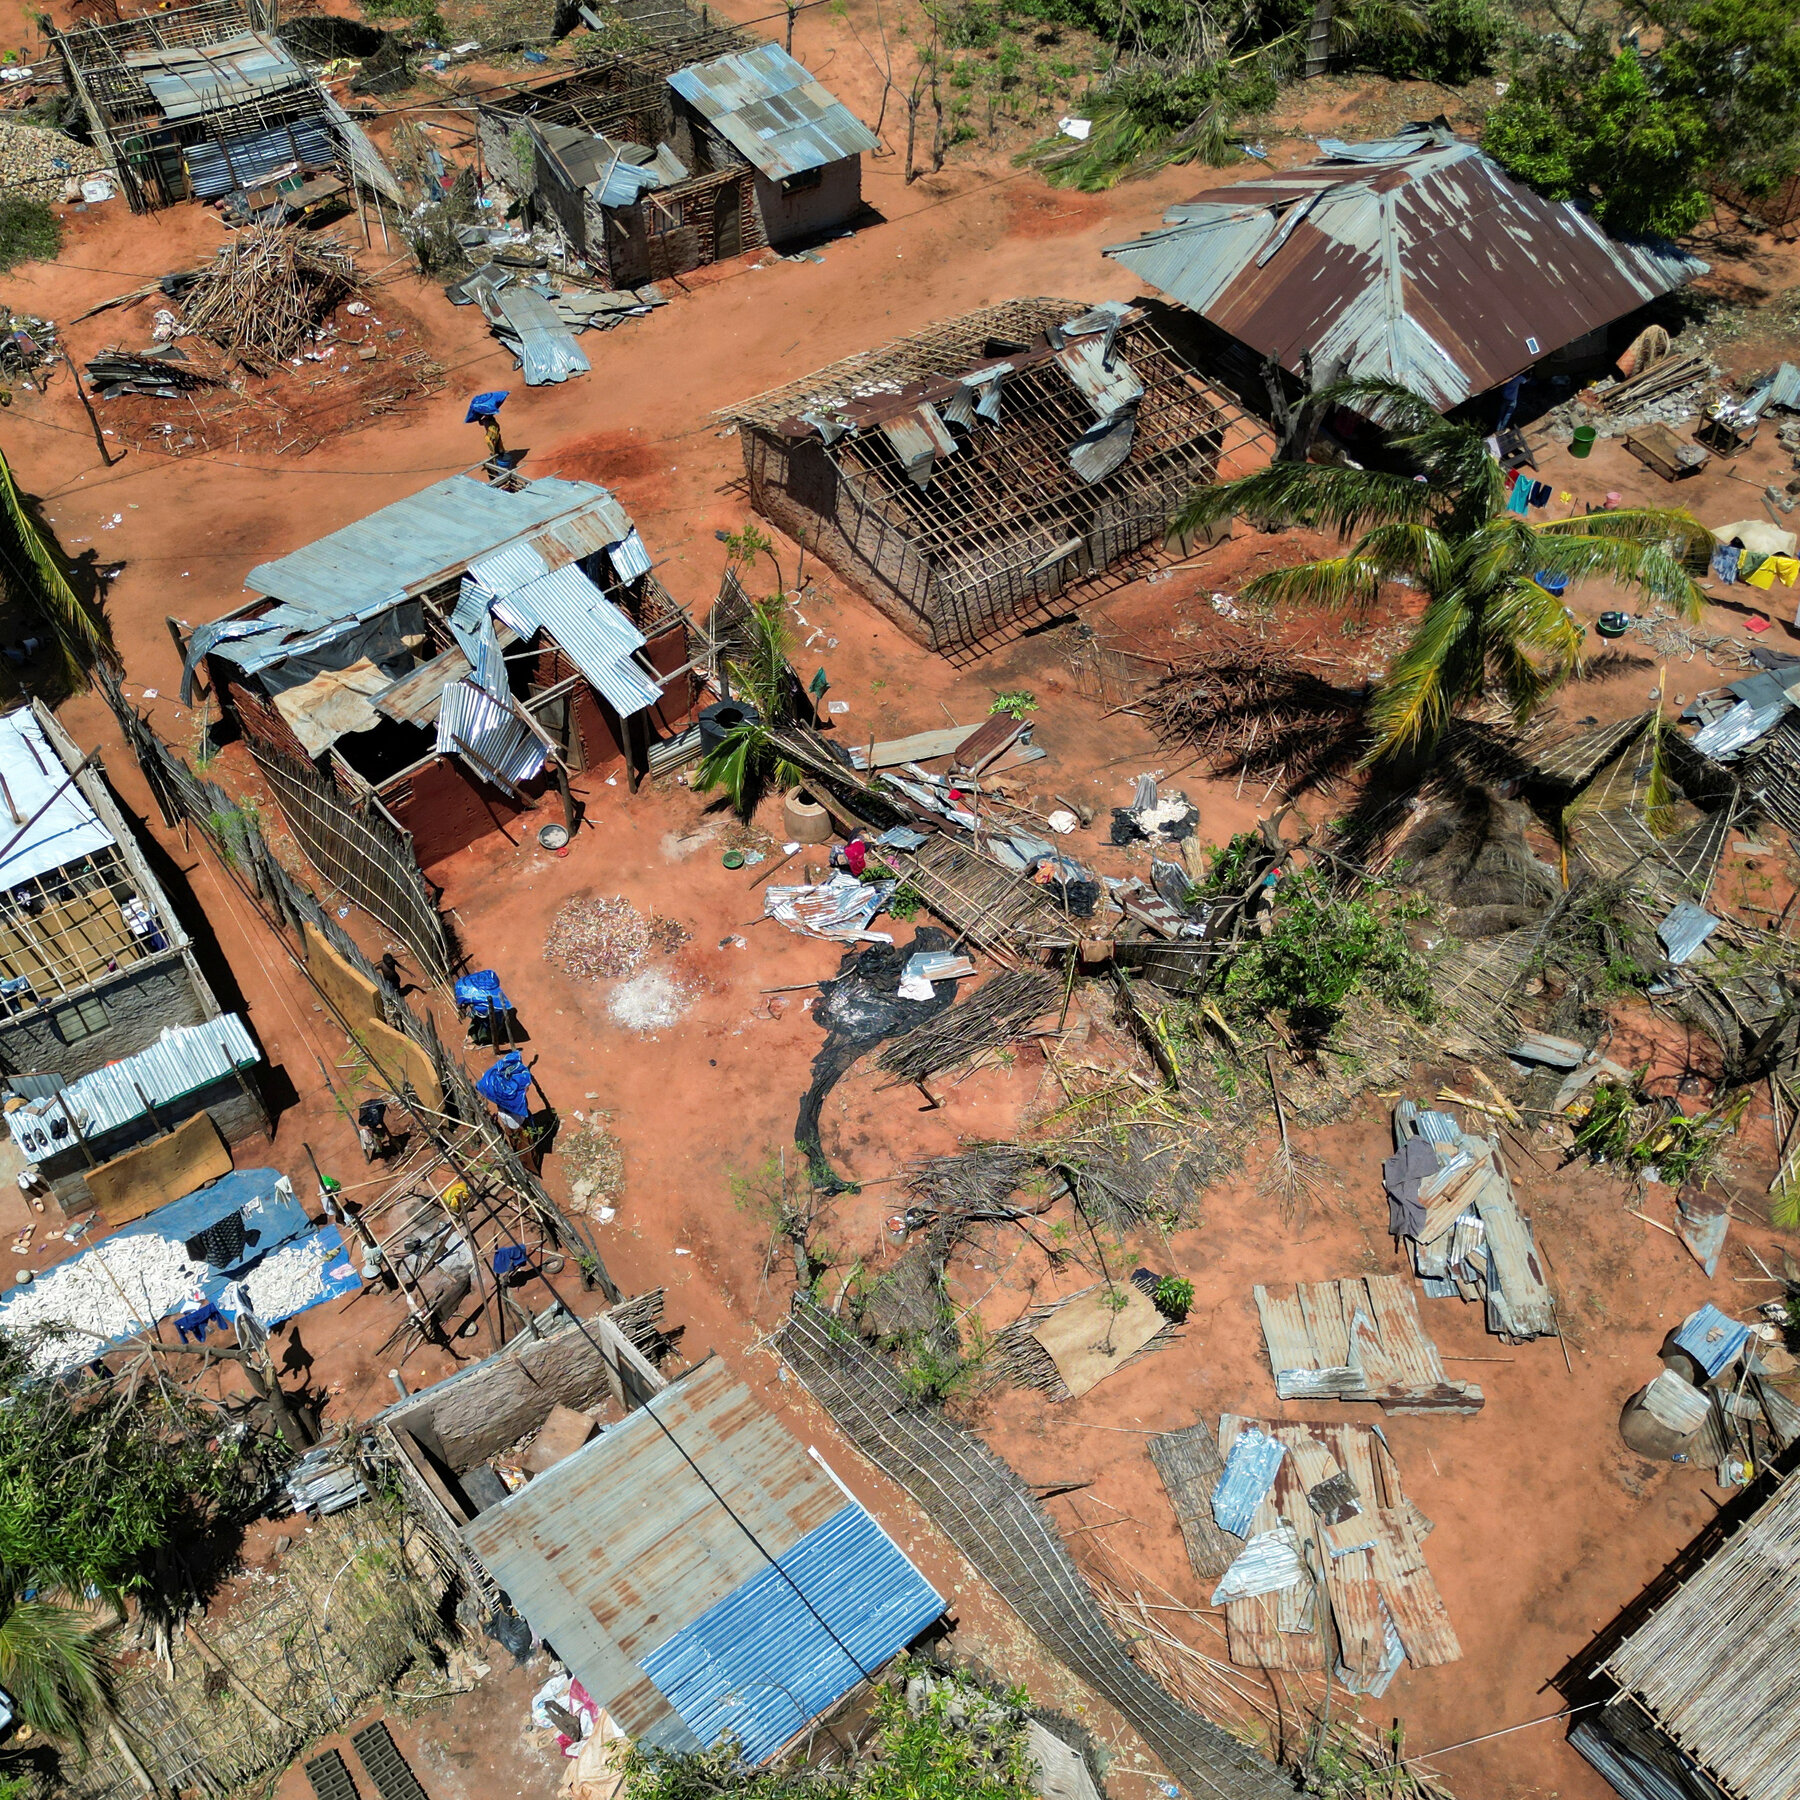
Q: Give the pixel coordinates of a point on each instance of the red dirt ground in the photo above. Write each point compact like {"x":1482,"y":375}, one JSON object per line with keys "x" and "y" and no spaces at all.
{"x":1545,"y":1525}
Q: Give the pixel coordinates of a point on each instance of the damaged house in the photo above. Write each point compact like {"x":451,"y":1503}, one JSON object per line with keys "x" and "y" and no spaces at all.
{"x":702,"y":1575}
{"x":205,"y":101}
{"x":967,"y":475}
{"x":1414,"y":259}
{"x":448,"y":658}
{"x":119,"y":1065}
{"x":648,"y":171}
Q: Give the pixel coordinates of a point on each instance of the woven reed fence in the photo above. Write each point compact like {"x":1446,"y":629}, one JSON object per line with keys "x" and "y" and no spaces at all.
{"x":981,"y":1505}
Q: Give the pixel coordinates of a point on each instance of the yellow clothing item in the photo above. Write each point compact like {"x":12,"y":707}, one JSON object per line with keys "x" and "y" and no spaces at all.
{"x":1787,"y":569}
{"x":1765,"y":573}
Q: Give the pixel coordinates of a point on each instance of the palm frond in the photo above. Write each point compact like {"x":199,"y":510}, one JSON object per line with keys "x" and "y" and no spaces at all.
{"x":1391,"y":404}
{"x":1341,"y":500}
{"x":1523,"y":612}
{"x":1413,"y":703}
{"x":58,"y":1665}
{"x":1334,"y":582}
{"x":1408,"y":549}
{"x":1649,"y":567}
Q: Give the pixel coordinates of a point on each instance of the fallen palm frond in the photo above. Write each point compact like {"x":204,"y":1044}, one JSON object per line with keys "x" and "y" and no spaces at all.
{"x":267,"y":291}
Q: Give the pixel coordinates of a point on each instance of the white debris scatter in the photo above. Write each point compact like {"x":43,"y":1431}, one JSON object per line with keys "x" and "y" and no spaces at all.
{"x":648,"y":1002}
{"x":284,"y":1282}
{"x":116,"y":1288}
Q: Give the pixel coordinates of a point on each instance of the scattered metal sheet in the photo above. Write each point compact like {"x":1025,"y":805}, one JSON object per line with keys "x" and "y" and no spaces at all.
{"x":1739,"y":729}
{"x":489,"y":736}
{"x":1268,"y":1564}
{"x":1106,"y":381}
{"x":1712,"y":1339}
{"x":1104,"y":448}
{"x":540,"y":340}
{"x":1249,"y":1473}
{"x":1685,"y":929}
{"x":839,"y":909}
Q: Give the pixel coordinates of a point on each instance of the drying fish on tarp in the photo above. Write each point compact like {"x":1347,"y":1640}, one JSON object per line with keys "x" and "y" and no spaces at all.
{"x":1268,"y":1564}
{"x":839,"y":909}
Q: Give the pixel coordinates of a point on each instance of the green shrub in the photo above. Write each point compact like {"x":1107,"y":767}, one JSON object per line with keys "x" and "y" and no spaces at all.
{"x":29,"y":231}
{"x":1174,"y":1296}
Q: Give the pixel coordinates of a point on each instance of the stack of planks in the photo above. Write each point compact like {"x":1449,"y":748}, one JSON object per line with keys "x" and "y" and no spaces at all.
{"x":1667,"y":376}
{"x":1358,"y":1339}
{"x":1362,"y":1543}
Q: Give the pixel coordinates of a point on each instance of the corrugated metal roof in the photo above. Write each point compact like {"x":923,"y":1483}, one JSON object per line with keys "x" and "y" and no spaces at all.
{"x":196,"y":78}
{"x":770,"y":108}
{"x":531,"y":596}
{"x":763,"y":1663}
{"x":613,"y":1553}
{"x":488,"y":735}
{"x":1415,"y":260}
{"x":185,"y":1059}
{"x":615,"y":173}
{"x":226,"y":161}
{"x":47,"y":833}
{"x":1105,"y":380}
{"x":416,"y":543}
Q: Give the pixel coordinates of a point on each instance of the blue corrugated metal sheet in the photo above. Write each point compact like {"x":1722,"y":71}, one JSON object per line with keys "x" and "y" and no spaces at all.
{"x":760,"y":1665}
{"x":416,"y":543}
{"x":644,"y":1531}
{"x":217,"y":165}
{"x":185,"y":1059}
{"x":57,"y":831}
{"x":771,"y":109}
{"x":1711,"y":1338}
{"x":1416,"y":259}
{"x":1685,"y":929}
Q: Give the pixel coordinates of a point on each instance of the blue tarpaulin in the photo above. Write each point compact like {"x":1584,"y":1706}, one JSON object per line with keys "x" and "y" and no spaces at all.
{"x":508,"y":1085}
{"x":484,"y":406}
{"x":242,"y":1215}
{"x":480,"y":991}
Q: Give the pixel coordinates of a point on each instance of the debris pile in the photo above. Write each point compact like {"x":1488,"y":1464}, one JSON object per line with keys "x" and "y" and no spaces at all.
{"x":268,"y":291}
{"x":608,"y":939}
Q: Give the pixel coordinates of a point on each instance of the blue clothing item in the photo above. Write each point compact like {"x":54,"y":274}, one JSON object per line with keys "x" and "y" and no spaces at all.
{"x":510,"y":1258}
{"x":508,"y":1085}
{"x":197,"y":1322}
{"x":484,"y":406}
{"x":480,"y":991}
{"x":1725,"y":562}
{"x":1540,"y":493}
{"x":1520,"y":498}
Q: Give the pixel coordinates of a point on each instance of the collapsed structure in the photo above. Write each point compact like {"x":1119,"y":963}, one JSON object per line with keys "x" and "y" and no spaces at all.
{"x":445,"y":658}
{"x":1413,"y":259}
{"x":966,"y":475}
{"x":115,"y":1052}
{"x":658,"y":161}
{"x":205,"y":101}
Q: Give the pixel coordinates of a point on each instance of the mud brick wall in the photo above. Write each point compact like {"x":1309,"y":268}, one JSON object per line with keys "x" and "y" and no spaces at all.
{"x":139,"y":1002}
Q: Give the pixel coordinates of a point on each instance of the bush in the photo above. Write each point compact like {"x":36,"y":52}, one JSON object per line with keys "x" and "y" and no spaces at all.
{"x":1174,"y":1297}
{"x":29,"y":231}
{"x":1453,"y":43}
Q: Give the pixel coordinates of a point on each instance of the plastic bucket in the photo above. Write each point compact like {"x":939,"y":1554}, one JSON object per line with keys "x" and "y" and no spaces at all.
{"x":1583,"y":440}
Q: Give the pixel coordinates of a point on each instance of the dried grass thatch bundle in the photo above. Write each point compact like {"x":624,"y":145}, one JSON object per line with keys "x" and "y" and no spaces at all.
{"x":269,"y":289}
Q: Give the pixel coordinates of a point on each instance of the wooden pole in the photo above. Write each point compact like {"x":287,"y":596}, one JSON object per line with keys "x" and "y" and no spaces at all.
{"x":87,"y":407}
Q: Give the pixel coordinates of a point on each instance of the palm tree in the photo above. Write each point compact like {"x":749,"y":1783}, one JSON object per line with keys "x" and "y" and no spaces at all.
{"x":745,"y":762}
{"x":56,"y":1661}
{"x":1490,"y":626}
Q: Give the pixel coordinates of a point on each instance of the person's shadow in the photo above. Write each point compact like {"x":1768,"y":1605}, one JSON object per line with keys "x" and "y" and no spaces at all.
{"x":296,"y":1359}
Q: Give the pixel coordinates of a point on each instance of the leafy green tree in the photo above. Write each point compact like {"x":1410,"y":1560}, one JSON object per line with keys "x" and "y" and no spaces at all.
{"x":96,"y":1490}
{"x":1489,"y":626}
{"x":1641,"y":134}
{"x":745,"y":763}
{"x":1614,"y":141}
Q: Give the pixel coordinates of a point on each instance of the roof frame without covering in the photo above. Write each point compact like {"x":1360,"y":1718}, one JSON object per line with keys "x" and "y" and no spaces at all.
{"x":130,"y":127}
{"x":1006,"y":521}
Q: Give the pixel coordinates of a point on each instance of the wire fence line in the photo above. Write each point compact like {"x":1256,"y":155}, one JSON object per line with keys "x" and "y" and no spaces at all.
{"x":978,"y":1501}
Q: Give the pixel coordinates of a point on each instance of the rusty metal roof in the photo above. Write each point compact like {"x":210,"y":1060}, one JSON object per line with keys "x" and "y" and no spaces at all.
{"x":652,"y":1550}
{"x":769,"y":107}
{"x":1415,"y":259}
